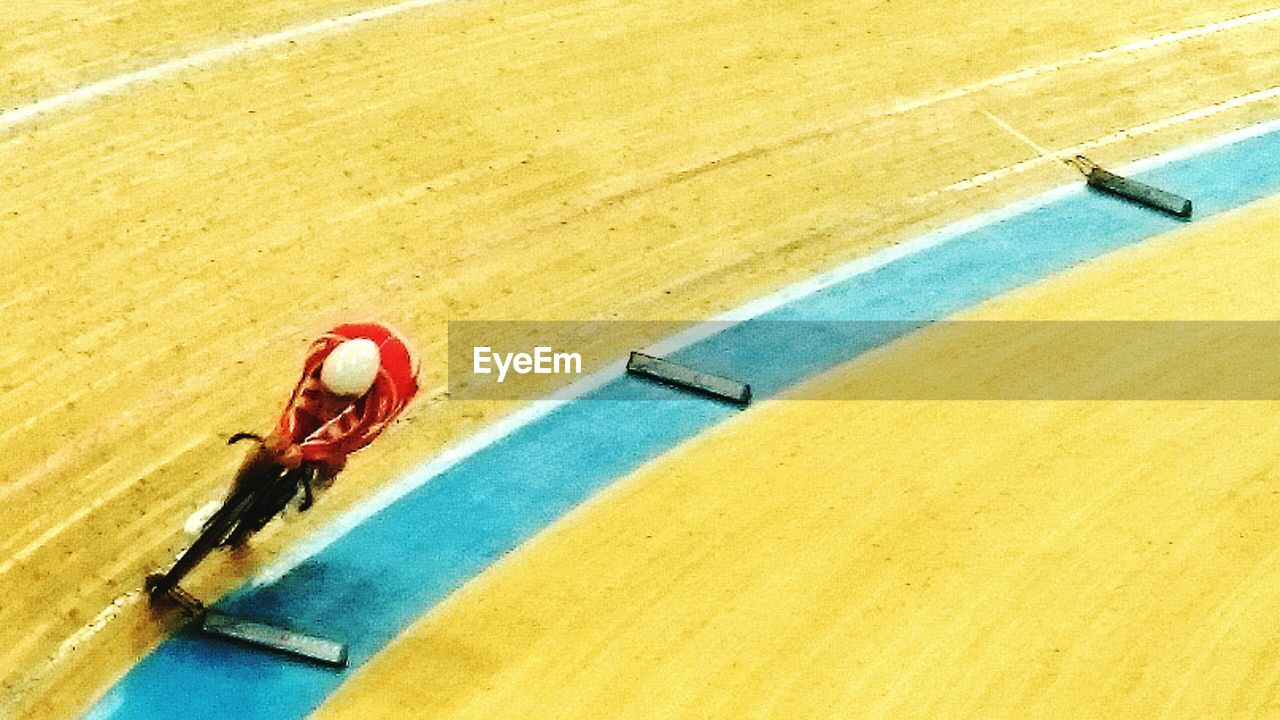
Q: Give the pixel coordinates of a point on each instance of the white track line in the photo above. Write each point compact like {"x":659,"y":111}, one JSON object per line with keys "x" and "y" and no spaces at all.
{"x":204,"y":58}
{"x":1015,"y":132}
{"x":96,"y":625}
{"x":1128,"y":48}
{"x":1239,"y":101}
{"x":73,"y":642}
{"x":221,"y":53}
{"x":540,"y":408}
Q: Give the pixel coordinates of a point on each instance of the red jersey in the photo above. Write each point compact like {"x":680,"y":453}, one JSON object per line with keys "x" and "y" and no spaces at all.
{"x":329,"y":427}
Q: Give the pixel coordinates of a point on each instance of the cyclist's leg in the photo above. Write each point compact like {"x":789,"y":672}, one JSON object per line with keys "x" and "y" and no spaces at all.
{"x":275,"y":494}
{"x":258,"y":470}
{"x":222,"y":522}
{"x":316,"y":481}
{"x":259,"y":467}
{"x":269,"y":500}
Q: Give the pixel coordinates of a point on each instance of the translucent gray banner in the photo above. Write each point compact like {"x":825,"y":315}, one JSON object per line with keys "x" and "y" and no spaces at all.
{"x":895,"y":360}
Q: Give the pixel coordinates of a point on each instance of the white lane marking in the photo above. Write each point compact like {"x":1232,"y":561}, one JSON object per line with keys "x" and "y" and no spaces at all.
{"x":69,"y":645}
{"x":203,"y":58}
{"x":1015,"y":132}
{"x":1135,"y":131}
{"x":96,"y":625}
{"x":1125,"y":49}
{"x":537,"y":409}
{"x":221,"y":53}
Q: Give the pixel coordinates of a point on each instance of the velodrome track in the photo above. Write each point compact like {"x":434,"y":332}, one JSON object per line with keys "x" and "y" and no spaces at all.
{"x":392,"y":567}
{"x":198,"y":211}
{"x":895,"y":560}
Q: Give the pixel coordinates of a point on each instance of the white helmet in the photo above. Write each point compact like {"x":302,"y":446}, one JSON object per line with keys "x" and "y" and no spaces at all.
{"x":351,"y":368}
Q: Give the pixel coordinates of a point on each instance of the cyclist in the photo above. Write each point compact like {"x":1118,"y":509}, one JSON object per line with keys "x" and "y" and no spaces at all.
{"x":356,"y":379}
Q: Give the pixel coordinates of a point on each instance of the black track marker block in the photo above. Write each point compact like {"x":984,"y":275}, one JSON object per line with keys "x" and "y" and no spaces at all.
{"x":688,"y":378}
{"x":1139,"y":192}
{"x":270,"y":637}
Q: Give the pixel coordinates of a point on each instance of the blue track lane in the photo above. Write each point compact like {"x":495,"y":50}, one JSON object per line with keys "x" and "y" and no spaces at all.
{"x":369,"y":585}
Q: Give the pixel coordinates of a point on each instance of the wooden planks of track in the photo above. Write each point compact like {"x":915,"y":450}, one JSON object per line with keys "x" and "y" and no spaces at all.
{"x":169,"y":251}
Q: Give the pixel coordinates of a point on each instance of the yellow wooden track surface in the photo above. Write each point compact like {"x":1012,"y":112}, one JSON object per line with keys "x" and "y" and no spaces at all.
{"x":168,"y":250}
{"x":959,"y":559}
